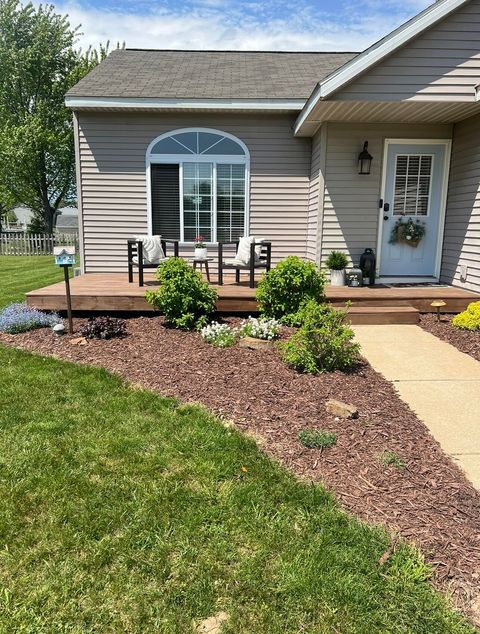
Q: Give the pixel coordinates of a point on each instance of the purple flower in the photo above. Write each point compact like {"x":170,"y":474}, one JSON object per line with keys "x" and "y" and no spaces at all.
{"x":19,"y":317}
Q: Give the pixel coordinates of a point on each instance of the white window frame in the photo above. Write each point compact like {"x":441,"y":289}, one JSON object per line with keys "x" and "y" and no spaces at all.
{"x":215,"y":159}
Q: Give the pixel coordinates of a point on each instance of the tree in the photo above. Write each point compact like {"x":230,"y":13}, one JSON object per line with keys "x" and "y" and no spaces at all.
{"x":38,"y":65}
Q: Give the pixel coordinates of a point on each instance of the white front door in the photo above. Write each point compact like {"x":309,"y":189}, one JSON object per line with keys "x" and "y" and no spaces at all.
{"x":414,"y":187}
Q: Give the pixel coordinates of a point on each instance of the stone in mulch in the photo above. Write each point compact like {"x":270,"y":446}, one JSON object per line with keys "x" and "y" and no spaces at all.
{"x":464,"y":340}
{"x":429,"y":502}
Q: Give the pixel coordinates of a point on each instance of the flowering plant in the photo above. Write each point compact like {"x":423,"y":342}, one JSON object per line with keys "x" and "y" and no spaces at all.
{"x":262,"y":328}
{"x":199,"y":242}
{"x":19,"y":317}
{"x":219,"y":335}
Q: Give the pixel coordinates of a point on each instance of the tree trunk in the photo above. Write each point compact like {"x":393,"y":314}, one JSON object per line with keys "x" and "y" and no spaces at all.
{"x":48,"y":212}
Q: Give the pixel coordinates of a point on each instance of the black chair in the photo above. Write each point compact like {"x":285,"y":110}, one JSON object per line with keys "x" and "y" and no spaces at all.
{"x":135,"y":257}
{"x":257,"y":261}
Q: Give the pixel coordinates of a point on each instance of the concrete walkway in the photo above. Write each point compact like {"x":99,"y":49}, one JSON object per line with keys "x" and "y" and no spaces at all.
{"x":439,"y":383}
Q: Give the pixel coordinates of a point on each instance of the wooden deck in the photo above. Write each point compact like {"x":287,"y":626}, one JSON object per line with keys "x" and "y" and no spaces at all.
{"x":379,"y":304}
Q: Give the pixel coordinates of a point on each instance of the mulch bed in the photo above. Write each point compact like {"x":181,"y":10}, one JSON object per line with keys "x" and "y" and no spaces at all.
{"x":429,"y":502}
{"x":465,"y":340}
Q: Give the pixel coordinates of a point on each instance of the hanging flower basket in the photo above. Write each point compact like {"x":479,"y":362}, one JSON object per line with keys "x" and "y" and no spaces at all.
{"x":410,"y":232}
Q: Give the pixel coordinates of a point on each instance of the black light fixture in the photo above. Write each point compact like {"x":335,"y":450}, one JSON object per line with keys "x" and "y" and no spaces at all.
{"x":364,"y":160}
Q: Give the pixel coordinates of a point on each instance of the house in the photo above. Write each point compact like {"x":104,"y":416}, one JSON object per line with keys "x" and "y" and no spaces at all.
{"x":223,"y":144}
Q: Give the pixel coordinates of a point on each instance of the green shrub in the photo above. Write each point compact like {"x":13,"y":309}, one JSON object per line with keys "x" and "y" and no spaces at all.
{"x":469,"y":319}
{"x":336,"y":261}
{"x":183,"y":297}
{"x":317,"y":438}
{"x":323,"y":343}
{"x":284,"y":289}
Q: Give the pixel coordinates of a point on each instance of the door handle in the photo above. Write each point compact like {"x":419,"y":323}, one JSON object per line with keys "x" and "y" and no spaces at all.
{"x":386,"y":217}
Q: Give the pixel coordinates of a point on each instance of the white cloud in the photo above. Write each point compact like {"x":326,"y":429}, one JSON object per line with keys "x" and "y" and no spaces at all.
{"x":217,"y":24}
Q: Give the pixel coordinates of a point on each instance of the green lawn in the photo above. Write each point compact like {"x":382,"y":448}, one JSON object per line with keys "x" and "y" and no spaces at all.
{"x":19,"y":275}
{"x":123,"y":512}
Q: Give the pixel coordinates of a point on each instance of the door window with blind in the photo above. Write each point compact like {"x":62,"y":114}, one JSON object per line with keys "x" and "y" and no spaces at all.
{"x":198,"y":186}
{"x":412,"y":186}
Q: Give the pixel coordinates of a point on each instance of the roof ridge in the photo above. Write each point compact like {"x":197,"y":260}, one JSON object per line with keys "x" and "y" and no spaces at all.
{"x":193,"y":50}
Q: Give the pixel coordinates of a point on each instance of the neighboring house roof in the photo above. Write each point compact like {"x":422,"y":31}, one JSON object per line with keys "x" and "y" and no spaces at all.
{"x":398,"y":38}
{"x":69,"y":221}
{"x":131,"y":74}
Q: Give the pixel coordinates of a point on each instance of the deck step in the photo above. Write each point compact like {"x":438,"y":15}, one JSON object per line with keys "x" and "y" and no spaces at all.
{"x":377,"y":315}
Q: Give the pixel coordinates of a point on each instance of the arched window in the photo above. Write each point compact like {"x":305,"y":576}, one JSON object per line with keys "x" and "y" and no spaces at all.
{"x":198,"y":185}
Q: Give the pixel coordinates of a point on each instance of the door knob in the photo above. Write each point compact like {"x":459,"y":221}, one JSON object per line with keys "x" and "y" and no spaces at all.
{"x":385,"y":217}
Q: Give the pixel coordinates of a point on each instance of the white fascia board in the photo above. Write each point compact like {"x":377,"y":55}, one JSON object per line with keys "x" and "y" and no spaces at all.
{"x":99,"y":103}
{"x":379,"y":51}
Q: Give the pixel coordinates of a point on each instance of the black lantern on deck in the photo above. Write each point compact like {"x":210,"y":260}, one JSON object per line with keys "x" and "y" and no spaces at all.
{"x":364,"y":160}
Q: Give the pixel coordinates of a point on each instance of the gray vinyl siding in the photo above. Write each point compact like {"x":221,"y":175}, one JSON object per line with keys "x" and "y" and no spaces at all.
{"x":350,"y":210}
{"x":112,"y":149}
{"x":441,"y":64}
{"x":313,"y":199}
{"x":462,"y":223}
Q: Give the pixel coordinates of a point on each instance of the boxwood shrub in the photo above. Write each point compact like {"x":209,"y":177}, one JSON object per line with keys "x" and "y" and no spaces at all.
{"x":183,"y":297}
{"x":284,"y":289}
{"x":323,"y":343}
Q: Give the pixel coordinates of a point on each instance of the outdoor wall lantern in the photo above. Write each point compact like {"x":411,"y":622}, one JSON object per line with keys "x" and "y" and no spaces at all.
{"x":364,"y":160}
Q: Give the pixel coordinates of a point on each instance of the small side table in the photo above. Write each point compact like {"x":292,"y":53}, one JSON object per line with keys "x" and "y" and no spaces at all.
{"x":201,"y":262}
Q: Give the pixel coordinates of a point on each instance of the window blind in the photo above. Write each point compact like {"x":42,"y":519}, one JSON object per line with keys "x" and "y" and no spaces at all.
{"x":165,"y":191}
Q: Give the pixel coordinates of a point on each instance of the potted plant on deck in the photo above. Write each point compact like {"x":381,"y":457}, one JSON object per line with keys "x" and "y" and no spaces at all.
{"x":337,"y":263}
{"x":200,"y":249}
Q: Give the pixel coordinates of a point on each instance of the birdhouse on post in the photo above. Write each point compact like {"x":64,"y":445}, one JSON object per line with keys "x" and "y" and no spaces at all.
{"x":64,"y":256}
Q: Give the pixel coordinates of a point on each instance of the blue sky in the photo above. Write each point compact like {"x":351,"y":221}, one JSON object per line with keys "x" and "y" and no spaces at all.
{"x":231,"y":24}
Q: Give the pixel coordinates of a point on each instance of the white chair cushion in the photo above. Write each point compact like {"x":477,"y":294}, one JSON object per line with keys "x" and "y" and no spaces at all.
{"x":152,"y":249}
{"x":243,"y":251}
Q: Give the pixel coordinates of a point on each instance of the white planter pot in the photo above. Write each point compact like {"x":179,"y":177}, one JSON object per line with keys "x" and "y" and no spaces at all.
{"x":337,"y":278}
{"x":200,"y":254}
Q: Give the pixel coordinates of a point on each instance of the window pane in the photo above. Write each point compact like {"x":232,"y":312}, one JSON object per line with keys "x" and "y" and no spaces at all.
{"x":412,"y":184}
{"x":197,"y":200}
{"x":224,"y":171}
{"x":226,"y":146}
{"x":224,"y":187}
{"x":169,"y":146}
{"x":238,"y":171}
{"x":189,"y":170}
{"x":206,"y":140}
{"x":165,"y":192}
{"x":188,"y":139}
{"x":230,"y":199}
{"x":238,"y":204}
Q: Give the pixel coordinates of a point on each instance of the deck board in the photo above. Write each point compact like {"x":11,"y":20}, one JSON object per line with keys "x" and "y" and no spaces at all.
{"x":112,"y":292}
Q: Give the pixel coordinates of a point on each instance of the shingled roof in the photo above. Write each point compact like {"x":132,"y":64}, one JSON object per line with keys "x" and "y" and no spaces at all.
{"x":162,"y":74}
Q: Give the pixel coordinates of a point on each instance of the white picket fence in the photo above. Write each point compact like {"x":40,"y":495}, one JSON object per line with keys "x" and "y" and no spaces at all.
{"x":34,"y":243}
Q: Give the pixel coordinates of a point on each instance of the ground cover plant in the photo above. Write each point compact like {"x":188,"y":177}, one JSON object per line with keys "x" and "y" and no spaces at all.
{"x":317,"y":438}
{"x":323,"y":343}
{"x":469,"y":319}
{"x":260,"y":328}
{"x":219,"y":335}
{"x":282,"y":291}
{"x":124,"y":512}
{"x":18,"y":317}
{"x":20,"y":274}
{"x":183,"y":297}
{"x":104,"y":328}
